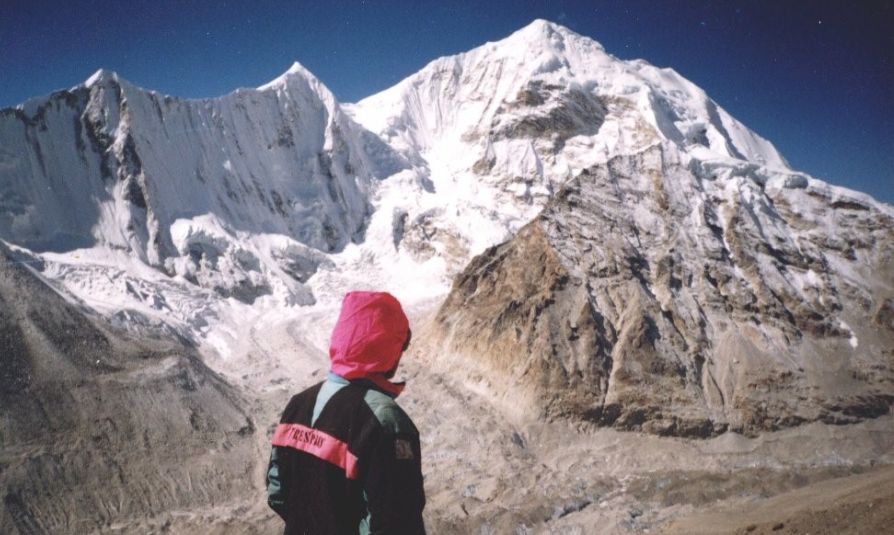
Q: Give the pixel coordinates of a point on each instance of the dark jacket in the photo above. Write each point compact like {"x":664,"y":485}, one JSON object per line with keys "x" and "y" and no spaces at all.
{"x":346,"y":460}
{"x":345,"y":457}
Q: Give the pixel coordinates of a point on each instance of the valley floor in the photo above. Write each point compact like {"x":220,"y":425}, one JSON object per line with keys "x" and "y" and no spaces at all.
{"x":487,"y":474}
{"x":857,"y":504}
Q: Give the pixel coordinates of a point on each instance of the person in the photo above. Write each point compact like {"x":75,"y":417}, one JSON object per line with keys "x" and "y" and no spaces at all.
{"x":345,"y":457}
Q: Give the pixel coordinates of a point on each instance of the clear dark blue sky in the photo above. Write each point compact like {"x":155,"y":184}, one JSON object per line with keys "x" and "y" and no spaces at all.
{"x":814,"y":77}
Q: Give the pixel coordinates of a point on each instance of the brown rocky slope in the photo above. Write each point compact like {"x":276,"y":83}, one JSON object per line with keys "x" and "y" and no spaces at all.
{"x":652,"y":295}
{"x":89,"y":414}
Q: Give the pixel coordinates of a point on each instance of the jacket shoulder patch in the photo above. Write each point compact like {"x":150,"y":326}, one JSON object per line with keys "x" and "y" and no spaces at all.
{"x":403,"y":450}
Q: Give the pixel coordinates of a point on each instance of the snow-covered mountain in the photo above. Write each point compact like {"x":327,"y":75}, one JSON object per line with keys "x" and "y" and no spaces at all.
{"x":206,"y":216}
{"x":172,"y":182}
{"x":686,"y":281}
{"x":498,"y":129}
{"x":543,"y":86}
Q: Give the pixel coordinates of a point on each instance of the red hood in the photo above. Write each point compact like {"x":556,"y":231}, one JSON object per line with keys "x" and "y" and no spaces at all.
{"x":368,"y":338}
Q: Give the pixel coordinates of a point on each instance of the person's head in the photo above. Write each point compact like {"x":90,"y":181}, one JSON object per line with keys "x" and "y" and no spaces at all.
{"x":371,"y":334}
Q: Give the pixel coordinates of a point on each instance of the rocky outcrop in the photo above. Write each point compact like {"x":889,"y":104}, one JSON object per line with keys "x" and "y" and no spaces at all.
{"x":548,"y":111}
{"x":651,"y":295}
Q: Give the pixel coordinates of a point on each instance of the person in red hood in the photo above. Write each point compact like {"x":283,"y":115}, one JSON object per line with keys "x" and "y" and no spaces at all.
{"x":346,"y":457}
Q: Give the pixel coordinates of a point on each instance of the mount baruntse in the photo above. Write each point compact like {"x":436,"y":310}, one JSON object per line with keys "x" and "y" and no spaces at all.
{"x":682,"y":263}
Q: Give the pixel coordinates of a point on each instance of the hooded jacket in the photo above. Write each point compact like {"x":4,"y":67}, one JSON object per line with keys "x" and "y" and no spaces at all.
{"x":345,"y":456}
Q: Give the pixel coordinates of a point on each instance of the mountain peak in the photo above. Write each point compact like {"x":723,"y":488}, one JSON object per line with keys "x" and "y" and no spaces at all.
{"x":544,"y":27}
{"x":295,"y":71}
{"x":541,"y":31}
{"x":298,"y":68}
{"x":100,"y":76}
{"x":298,"y":74}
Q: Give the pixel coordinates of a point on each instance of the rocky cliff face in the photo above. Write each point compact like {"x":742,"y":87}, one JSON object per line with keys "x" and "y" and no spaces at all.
{"x":659,"y":296}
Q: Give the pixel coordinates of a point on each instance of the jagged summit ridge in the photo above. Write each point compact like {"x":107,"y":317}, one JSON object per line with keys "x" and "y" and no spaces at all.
{"x":295,"y":72}
{"x":178,"y":184}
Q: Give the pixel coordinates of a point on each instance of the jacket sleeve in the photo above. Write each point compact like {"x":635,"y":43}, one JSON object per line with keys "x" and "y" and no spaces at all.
{"x":276,"y":487}
{"x":394,"y":489}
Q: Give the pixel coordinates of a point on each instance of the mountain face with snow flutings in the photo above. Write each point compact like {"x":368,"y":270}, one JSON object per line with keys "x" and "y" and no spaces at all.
{"x":508,"y":123}
{"x":108,"y":164}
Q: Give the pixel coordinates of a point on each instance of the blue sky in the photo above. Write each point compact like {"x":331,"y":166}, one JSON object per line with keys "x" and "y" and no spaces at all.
{"x":814,"y":77}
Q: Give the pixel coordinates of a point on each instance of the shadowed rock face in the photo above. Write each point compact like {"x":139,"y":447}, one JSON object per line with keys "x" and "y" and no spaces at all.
{"x":648,"y":295}
{"x":88,"y":418}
